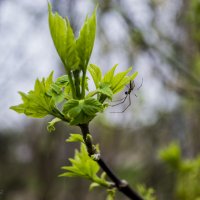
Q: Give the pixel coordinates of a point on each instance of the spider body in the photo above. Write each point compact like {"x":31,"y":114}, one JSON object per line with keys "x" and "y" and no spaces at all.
{"x":131,"y":87}
{"x":127,"y":94}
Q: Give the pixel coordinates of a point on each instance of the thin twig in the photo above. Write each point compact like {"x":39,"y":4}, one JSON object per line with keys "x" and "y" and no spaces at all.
{"x":121,"y":185}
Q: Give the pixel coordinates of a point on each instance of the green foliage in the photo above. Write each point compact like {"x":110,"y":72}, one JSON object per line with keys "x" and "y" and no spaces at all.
{"x":75,"y":137}
{"x":74,"y":53}
{"x":68,"y":99}
{"x":60,"y":89}
{"x":110,"y":84}
{"x":96,"y":74}
{"x":64,"y":40}
{"x":37,"y":103}
{"x":187,"y":172}
{"x":85,"y":41}
{"x":81,"y":111}
{"x":51,"y":124}
{"x":190,"y":174}
{"x":171,"y":155}
{"x":194,"y":19}
{"x":84,"y":166}
{"x":147,"y":193}
{"x":111,"y":194}
{"x":68,"y":91}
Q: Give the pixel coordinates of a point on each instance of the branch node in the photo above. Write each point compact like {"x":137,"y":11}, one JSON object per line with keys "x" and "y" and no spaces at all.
{"x":96,"y":156}
{"x":123,"y":184}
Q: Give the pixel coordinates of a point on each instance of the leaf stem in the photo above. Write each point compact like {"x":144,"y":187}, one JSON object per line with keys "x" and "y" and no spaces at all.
{"x":77,"y":83}
{"x":121,"y":185}
{"x":83,"y":83}
{"x":71,"y":82}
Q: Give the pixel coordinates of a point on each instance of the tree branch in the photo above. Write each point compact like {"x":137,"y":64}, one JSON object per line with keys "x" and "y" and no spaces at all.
{"x":121,"y":185}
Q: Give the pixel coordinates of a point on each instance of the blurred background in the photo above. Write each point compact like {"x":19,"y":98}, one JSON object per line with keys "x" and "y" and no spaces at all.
{"x":161,"y":39}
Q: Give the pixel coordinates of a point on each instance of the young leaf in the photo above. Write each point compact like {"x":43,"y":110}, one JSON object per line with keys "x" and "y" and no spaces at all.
{"x":118,"y":78}
{"x":111,"y":194}
{"x":56,"y":92}
{"x":74,"y":137}
{"x":96,"y":74}
{"x":124,"y":82}
{"x":64,"y":40}
{"x":60,"y":89}
{"x":105,"y":89}
{"x":62,"y":80}
{"x":82,"y":165}
{"x":109,"y":75}
{"x":93,"y":185}
{"x":147,"y":193}
{"x":81,"y":111}
{"x":133,"y":76}
{"x":85,"y":41}
{"x":37,"y":103}
{"x":51,"y":124}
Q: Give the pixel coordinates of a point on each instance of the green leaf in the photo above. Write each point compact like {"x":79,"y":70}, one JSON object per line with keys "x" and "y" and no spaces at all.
{"x":75,"y":137}
{"x":111,"y":194}
{"x":64,"y":40}
{"x":51,"y":124}
{"x":82,"y":165}
{"x":93,"y":185}
{"x":85,"y":41}
{"x":37,"y":103}
{"x":118,"y":88}
{"x":147,"y":193}
{"x":60,"y":89}
{"x":119,"y":78}
{"x":124,"y":81}
{"x":171,"y":155}
{"x":133,"y":76}
{"x":56,"y":92}
{"x":96,"y":74}
{"x":81,"y":111}
{"x":109,"y":75}
{"x":115,"y":83}
{"x":105,"y":89}
{"x":62,"y":80}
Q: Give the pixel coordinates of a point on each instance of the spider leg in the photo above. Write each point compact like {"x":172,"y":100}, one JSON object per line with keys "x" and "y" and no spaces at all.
{"x":129,"y":97}
{"x":119,"y":99}
{"x":140,"y":85}
{"x":122,"y":101}
{"x":129,"y":104}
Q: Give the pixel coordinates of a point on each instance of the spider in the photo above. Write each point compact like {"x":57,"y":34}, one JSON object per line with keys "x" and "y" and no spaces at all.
{"x":127,"y":94}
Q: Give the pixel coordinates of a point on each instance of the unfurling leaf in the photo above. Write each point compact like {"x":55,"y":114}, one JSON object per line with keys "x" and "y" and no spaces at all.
{"x":75,"y":137}
{"x":147,"y":193}
{"x":81,"y":111}
{"x":82,"y":165}
{"x":64,"y":40}
{"x":51,"y":124}
{"x":96,"y":74}
{"x":85,"y":41}
{"x":109,"y":75}
{"x":93,"y":185}
{"x":60,"y":89}
{"x":110,"y":84}
{"x":105,"y":89}
{"x":37,"y":103}
{"x":111,"y":194}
